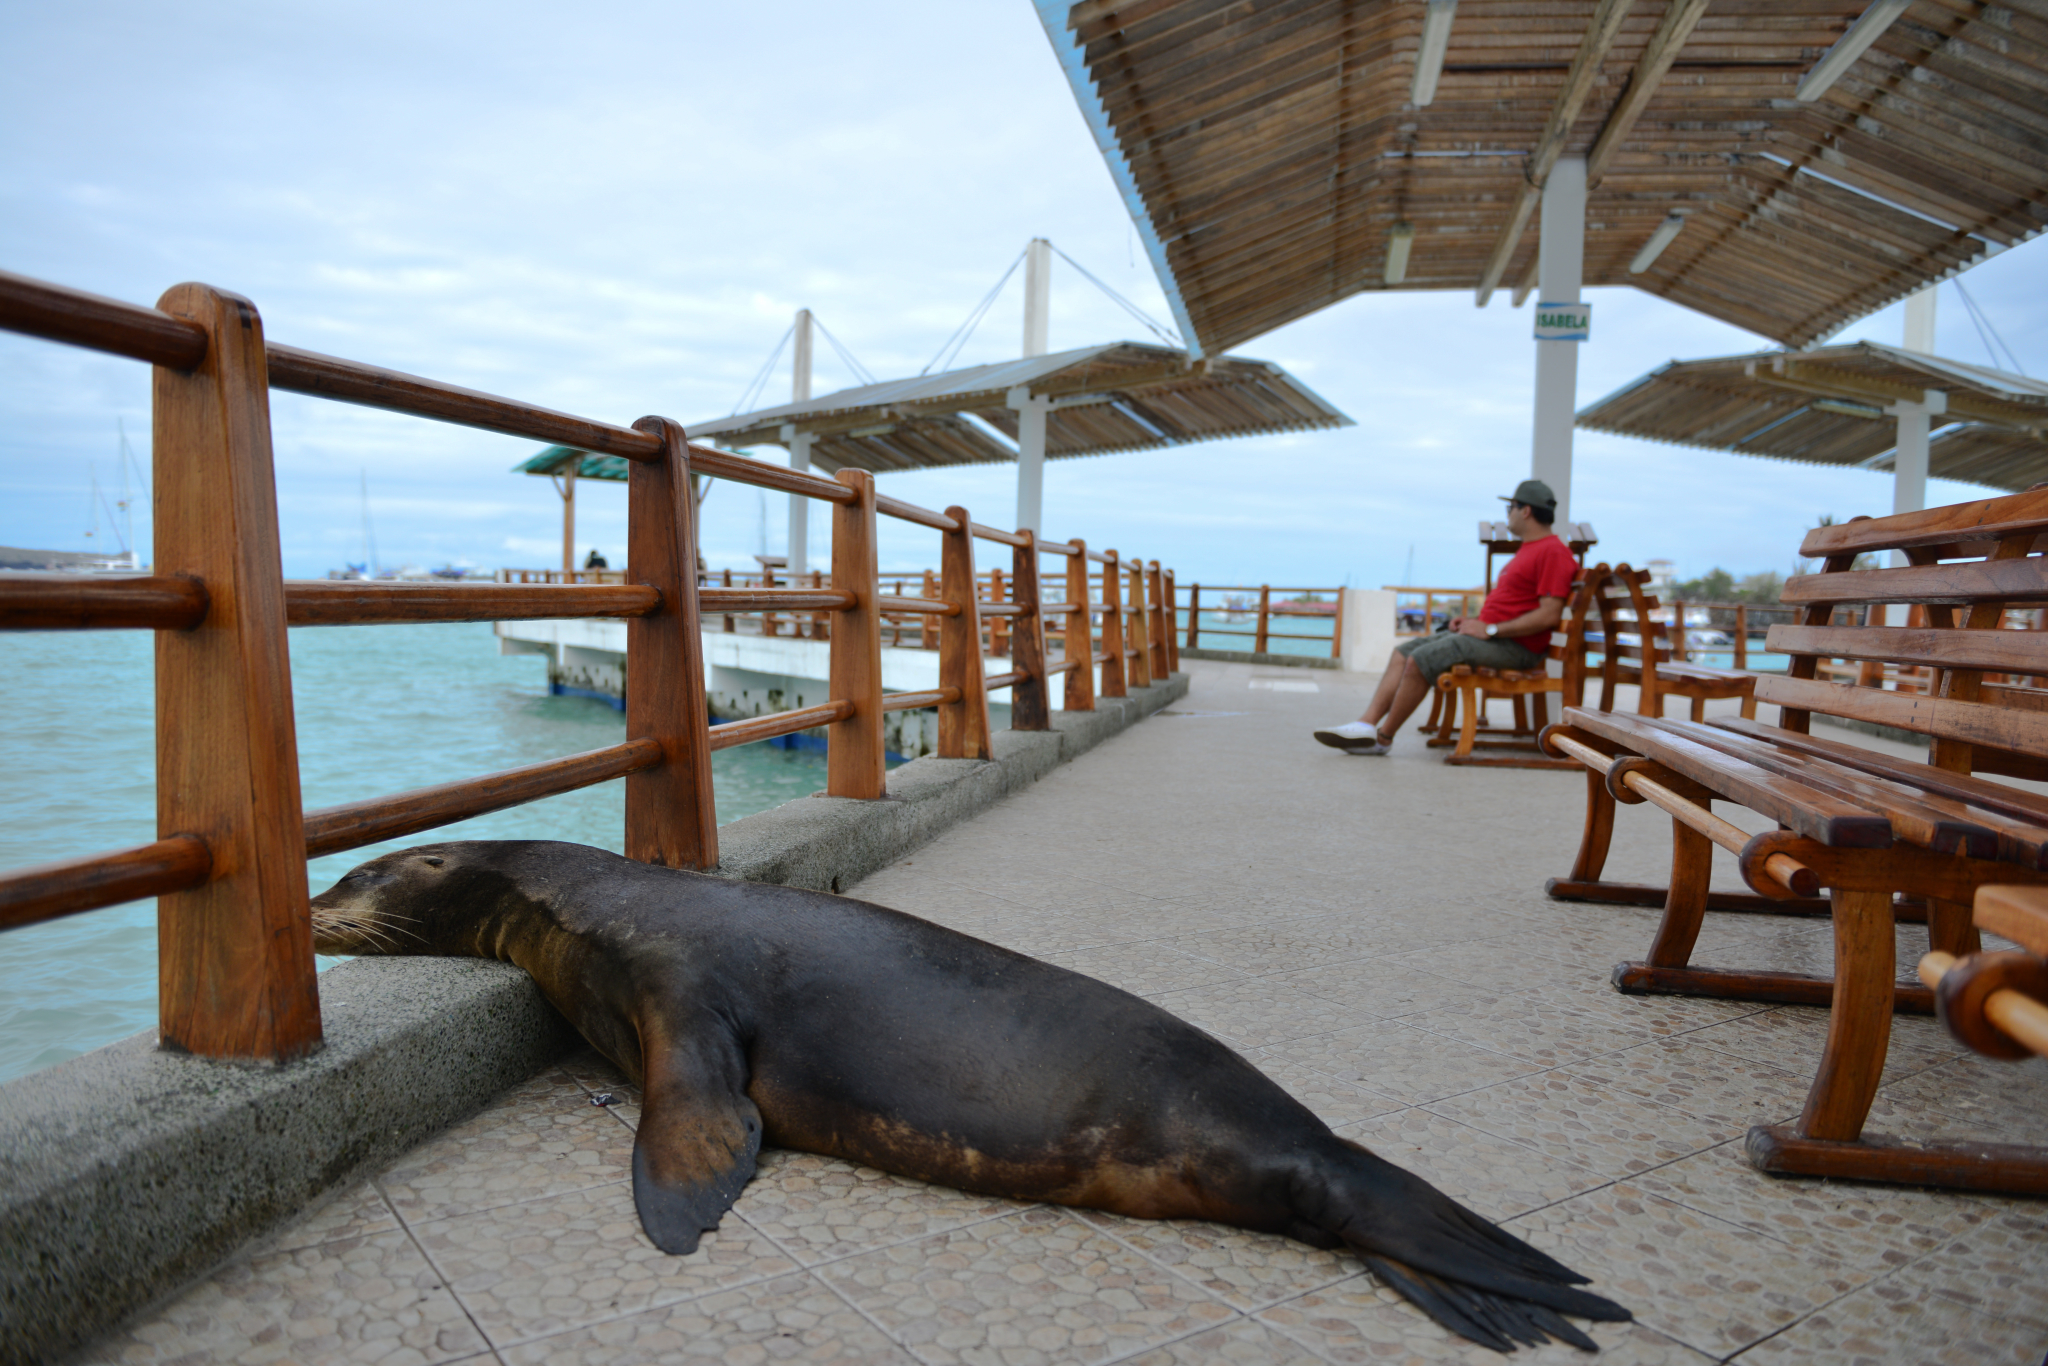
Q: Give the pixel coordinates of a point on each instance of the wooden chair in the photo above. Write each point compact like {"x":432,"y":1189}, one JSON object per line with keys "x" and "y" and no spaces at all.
{"x":1862,"y":824}
{"x":1997,"y":1003}
{"x":1464,"y":690}
{"x":1652,"y":664}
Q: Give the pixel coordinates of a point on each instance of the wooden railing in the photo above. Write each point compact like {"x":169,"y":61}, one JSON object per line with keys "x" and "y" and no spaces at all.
{"x":1443,"y":603}
{"x":1305,"y":602}
{"x":229,"y":863}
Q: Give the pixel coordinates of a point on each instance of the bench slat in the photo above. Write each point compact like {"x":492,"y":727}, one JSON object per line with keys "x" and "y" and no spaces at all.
{"x":1973,"y":723}
{"x":2018,"y":913}
{"x":1985,"y":519}
{"x":1934,"y":822}
{"x":2019,"y":652}
{"x":1955,"y":585}
{"x":1997,"y":797}
{"x":1817,"y":815}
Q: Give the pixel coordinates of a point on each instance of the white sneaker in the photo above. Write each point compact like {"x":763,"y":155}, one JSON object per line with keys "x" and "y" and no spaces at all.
{"x":1353,"y":737}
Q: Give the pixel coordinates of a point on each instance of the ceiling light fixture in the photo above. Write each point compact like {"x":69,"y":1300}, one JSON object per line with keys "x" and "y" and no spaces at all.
{"x":1868,"y":28}
{"x":1673,"y":224}
{"x":1399,"y":240}
{"x":1429,"y":58}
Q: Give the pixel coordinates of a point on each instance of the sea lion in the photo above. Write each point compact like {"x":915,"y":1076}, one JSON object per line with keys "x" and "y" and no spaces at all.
{"x":753,"y":1014}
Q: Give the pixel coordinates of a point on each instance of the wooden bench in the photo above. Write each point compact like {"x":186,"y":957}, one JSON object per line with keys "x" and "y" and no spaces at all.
{"x":1997,"y":1003}
{"x":1464,"y":690}
{"x":1652,"y":664}
{"x":1864,"y":825}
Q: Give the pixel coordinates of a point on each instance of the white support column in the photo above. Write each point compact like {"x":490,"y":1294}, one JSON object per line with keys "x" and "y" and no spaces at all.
{"x":799,"y":444}
{"x":1909,"y":469}
{"x":1037,"y":297}
{"x":1919,"y":329}
{"x":1031,"y":414}
{"x":1559,"y":273}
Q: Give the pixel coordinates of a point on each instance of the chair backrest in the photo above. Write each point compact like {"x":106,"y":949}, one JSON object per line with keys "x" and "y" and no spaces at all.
{"x":1969,"y":564}
{"x":1569,"y":645}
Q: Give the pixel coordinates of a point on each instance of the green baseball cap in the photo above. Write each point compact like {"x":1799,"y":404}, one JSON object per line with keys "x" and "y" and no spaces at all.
{"x":1532,"y":493}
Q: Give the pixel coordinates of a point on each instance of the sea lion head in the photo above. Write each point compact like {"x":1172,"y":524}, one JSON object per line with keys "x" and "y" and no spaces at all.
{"x":387,"y":904}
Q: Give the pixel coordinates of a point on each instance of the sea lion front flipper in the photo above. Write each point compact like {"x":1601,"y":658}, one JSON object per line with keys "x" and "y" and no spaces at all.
{"x":699,"y":1133}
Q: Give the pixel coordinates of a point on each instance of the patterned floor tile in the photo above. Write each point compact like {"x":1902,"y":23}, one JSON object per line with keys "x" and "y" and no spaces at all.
{"x":1658,"y":1016}
{"x":373,"y":1301}
{"x":1998,"y":1267}
{"x":1150,"y":968}
{"x":1236,"y":1344}
{"x":1793,"y":1037}
{"x":356,"y":1211}
{"x":1299,"y":944}
{"x":1491,"y":968}
{"x":2005,"y":1102}
{"x":1597,"y":1127}
{"x":1381,"y":988}
{"x":1889,"y":1324}
{"x":1495,"y":1176}
{"x":1700,"y":1280}
{"x":1334,"y":1102}
{"x":787,"y":1320}
{"x":1255,"y":1012}
{"x":541,"y":1138}
{"x":1536,"y":1030}
{"x":1877,"y":1227}
{"x":1705,"y":1082}
{"x":545,"y":1266}
{"x":1032,"y":1289}
{"x":821,"y":1208}
{"x":1404,"y":1063}
{"x":1361,"y":1321}
{"x":1243,"y":1269}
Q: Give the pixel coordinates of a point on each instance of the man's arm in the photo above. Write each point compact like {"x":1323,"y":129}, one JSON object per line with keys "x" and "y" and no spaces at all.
{"x":1547,"y":613}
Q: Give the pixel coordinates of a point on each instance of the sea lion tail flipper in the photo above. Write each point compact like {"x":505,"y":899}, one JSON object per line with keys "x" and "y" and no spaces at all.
{"x":699,"y":1136}
{"x":1472,"y":1277}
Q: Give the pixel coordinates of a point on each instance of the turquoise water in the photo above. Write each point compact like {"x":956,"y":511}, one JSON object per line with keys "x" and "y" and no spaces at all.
{"x":1216,"y":633}
{"x":380,"y":709}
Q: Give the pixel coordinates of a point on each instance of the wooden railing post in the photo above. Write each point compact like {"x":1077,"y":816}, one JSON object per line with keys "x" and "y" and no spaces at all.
{"x":1336,"y":627}
{"x":998,"y":627}
{"x":1080,"y":638}
{"x":1162,"y":615}
{"x":1172,"y":624}
{"x":1681,"y":644}
{"x":1265,"y":603}
{"x":1741,"y":636}
{"x":1140,"y":628}
{"x":855,"y":765}
{"x":963,"y":724}
{"x":1195,"y":616}
{"x":671,"y":816}
{"x":1030,"y":700}
{"x":1114,"y":672}
{"x":234,"y":955}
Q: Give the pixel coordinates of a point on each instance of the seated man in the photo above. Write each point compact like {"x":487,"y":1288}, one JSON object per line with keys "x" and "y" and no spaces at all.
{"x":1512,"y":630}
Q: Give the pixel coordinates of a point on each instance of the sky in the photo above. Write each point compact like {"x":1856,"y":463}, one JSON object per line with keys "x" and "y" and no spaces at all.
{"x":616,"y":211}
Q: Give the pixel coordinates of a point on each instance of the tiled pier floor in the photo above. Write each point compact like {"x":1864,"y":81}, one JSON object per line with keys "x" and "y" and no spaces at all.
{"x":1373,"y":933}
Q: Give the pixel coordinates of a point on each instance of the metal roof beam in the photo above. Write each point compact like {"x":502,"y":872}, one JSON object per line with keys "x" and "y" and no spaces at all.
{"x":1578,"y":86}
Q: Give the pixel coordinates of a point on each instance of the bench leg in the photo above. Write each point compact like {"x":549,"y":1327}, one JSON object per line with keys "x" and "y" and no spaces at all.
{"x":1685,"y":905}
{"x":1950,"y":929}
{"x":1699,"y":707}
{"x":1474,"y":713}
{"x":1859,"y":1018}
{"x":1599,"y":831}
{"x":1522,"y":715}
{"x":1749,"y":705}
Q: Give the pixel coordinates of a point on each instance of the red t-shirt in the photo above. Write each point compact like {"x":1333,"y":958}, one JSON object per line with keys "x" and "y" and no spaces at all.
{"x":1540,"y":569}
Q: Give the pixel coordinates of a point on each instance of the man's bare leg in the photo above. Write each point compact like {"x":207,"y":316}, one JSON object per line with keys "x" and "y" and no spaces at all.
{"x":1410,"y":687}
{"x":1390,"y":683}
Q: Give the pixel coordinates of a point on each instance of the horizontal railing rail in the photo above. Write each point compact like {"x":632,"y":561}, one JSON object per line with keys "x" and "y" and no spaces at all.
{"x":228,"y":866}
{"x":1261,"y":633}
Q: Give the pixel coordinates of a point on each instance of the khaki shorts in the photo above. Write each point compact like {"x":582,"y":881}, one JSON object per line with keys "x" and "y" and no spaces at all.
{"x":1433,"y":654}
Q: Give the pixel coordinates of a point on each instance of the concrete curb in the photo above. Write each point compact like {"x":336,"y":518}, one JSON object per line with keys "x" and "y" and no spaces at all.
{"x":128,"y":1172}
{"x":1251,"y":657}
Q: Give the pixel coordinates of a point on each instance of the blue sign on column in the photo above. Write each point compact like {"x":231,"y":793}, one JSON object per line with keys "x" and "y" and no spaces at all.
{"x":1563,"y":322}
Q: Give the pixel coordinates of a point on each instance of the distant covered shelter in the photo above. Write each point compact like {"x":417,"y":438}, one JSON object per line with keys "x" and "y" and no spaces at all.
{"x":1784,"y":168}
{"x":1096,"y":400}
{"x":1862,"y":405}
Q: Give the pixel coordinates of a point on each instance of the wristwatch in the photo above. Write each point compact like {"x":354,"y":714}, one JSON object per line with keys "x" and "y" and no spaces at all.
{"x":1492,"y":629}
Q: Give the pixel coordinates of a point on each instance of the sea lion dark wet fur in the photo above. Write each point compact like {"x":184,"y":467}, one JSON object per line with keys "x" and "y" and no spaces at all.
{"x":753,"y":1014}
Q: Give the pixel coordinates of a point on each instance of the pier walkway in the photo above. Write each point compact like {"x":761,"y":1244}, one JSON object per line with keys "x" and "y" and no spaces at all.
{"x":1371,"y":932}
